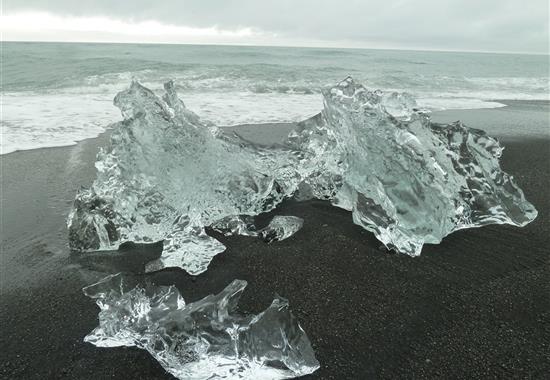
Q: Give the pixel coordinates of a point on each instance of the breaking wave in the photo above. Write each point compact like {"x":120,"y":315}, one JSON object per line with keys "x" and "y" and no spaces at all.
{"x":64,"y":116}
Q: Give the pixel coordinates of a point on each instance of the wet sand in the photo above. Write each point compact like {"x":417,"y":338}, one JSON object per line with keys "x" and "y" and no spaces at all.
{"x":475,"y":306}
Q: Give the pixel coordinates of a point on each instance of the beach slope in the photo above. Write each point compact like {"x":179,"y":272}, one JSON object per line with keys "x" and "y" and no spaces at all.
{"x":475,"y":306}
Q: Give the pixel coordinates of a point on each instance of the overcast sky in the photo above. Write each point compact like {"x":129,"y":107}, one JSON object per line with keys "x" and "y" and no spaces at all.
{"x":470,"y":25}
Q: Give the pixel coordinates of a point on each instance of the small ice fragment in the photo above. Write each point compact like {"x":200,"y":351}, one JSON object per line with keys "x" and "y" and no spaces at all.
{"x":281,"y":228}
{"x":236,"y":225}
{"x":191,"y":250}
{"x":206,"y":339}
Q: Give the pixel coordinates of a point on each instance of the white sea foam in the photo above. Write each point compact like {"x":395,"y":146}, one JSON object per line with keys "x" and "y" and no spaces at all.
{"x":63,"y":117}
{"x":440,"y":104}
{"x":31,"y":121}
{"x":227,"y":109}
{"x":236,"y":85}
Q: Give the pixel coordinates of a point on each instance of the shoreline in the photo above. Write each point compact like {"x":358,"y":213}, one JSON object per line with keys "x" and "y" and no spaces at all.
{"x":446,"y":115}
{"x":474,"y":306}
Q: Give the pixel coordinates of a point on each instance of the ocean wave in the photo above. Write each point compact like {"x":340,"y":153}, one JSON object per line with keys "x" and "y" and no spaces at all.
{"x":261,"y":80}
{"x":32,"y":121}
{"x":528,"y":83}
{"x":62,"y":116}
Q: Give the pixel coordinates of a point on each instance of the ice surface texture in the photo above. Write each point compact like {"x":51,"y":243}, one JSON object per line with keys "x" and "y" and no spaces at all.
{"x":206,"y":339}
{"x":280,"y":228}
{"x":166,"y":176}
{"x":408,"y":180}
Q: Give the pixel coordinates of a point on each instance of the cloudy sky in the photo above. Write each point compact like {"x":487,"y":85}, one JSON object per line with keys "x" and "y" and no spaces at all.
{"x":469,"y":25}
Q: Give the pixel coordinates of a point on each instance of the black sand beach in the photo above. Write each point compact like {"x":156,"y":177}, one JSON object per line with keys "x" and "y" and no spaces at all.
{"x":475,"y":306}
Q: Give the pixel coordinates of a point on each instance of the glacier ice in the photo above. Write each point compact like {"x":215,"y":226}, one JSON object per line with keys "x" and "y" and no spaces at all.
{"x":280,"y":228}
{"x":408,"y":180}
{"x":166,"y":176}
{"x":243,"y":225}
{"x":206,"y":339}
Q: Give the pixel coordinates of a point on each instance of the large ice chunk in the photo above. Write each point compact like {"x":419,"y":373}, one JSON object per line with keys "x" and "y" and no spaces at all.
{"x":166,"y":176}
{"x":408,"y":180}
{"x":206,"y":339}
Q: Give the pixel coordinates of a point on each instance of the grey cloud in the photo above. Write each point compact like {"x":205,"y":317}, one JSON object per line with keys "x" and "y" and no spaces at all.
{"x":497,"y":25}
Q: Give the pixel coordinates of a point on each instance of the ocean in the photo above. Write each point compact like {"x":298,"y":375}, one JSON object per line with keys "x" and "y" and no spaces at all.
{"x":55,"y":94}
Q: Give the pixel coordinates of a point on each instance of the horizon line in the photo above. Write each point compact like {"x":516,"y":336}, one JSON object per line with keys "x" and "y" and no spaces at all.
{"x":431,"y":50}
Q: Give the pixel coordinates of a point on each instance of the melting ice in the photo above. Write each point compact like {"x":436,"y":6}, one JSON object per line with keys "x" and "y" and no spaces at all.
{"x":281,"y":228}
{"x":166,"y":176}
{"x":205,"y":339}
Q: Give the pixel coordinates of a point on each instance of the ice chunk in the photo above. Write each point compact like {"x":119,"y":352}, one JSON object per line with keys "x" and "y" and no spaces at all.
{"x":236,"y":225}
{"x":281,"y":227}
{"x":205,"y":339}
{"x":166,"y":176}
{"x":191,"y":250}
{"x":408,"y":180}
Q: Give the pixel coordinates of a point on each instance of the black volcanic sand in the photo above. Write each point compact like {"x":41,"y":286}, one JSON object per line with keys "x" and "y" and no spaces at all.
{"x":475,"y":306}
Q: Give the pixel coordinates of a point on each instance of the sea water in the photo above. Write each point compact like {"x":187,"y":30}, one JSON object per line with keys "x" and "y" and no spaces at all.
{"x":54,"y":94}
